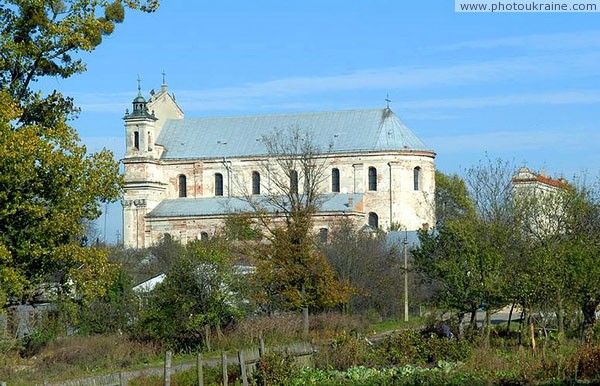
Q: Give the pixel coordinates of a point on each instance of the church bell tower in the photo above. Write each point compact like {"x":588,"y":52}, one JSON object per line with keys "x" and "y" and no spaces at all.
{"x":143,"y":189}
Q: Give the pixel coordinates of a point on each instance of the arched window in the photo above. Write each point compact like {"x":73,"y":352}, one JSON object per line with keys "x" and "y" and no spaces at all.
{"x":203,"y":236}
{"x":323,"y":235}
{"x":149,"y":141}
{"x":372,"y":178}
{"x":373,"y":220}
{"x":335,"y":180}
{"x":255,"y":183}
{"x":293,"y":181}
{"x":182,"y":181}
{"x":417,"y":177}
{"x":136,"y":140}
{"x":218,"y":184}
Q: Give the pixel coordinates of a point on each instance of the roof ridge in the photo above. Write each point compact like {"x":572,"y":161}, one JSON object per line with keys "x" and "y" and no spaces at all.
{"x":305,"y":113}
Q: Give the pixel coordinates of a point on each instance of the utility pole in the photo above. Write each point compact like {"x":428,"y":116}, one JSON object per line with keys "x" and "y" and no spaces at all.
{"x":405,"y":276}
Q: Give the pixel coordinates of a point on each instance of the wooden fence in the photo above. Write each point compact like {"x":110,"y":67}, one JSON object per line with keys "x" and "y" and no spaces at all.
{"x":246,"y":359}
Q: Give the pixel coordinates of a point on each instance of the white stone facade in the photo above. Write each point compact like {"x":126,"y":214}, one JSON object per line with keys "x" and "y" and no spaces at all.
{"x":403,"y":195}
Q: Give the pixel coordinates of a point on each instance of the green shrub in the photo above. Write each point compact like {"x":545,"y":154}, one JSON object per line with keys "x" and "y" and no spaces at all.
{"x":585,"y":363}
{"x":36,"y":341}
{"x":412,"y":347}
{"x":194,"y":294}
{"x":344,"y":351}
{"x":402,"y":348}
{"x":112,"y":312}
{"x":443,"y":349}
{"x":275,"y":369}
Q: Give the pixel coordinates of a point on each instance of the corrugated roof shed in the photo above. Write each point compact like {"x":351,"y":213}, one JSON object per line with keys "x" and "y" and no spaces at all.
{"x":212,"y":206}
{"x":346,"y":131}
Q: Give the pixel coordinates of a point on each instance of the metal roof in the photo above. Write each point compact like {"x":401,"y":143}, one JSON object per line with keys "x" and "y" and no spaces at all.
{"x":345,"y":131}
{"x":212,"y":206}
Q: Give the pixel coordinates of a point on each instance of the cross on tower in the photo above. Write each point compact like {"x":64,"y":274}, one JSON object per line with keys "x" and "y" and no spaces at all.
{"x":139,"y":80}
{"x":164,"y":77}
{"x":387,"y":100}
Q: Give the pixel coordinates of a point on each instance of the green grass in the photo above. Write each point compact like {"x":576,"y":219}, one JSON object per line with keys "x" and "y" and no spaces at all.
{"x":395,"y":324}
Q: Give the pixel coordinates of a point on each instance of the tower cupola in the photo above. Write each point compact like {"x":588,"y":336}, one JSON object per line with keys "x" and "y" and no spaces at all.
{"x":140,"y":106}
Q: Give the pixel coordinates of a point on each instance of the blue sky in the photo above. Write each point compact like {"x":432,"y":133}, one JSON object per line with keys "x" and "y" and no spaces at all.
{"x":520,"y":86}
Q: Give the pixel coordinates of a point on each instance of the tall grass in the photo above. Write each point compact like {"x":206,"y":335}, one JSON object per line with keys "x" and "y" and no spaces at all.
{"x":286,"y":328}
{"x":77,"y":356}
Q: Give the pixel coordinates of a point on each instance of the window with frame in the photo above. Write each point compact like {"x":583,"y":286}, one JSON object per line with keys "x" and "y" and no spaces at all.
{"x":323,"y":235}
{"x":255,"y":182}
{"x":218,"y":184}
{"x":136,"y":140}
{"x":417,"y":178}
{"x":373,"y":220}
{"x":182,"y":182}
{"x":372,"y":178}
{"x":335,"y":180}
{"x":293,"y":181}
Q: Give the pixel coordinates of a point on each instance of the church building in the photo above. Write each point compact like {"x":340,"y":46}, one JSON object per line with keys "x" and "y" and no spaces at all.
{"x":185,"y":176}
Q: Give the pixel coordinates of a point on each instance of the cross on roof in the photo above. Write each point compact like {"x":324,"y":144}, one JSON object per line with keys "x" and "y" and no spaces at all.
{"x":164,"y":77}
{"x":387,"y":100}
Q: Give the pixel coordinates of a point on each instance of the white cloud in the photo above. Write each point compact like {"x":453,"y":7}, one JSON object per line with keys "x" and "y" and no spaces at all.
{"x":509,"y":142}
{"x":290,"y":91}
{"x":549,"y":42}
{"x":548,"y":98}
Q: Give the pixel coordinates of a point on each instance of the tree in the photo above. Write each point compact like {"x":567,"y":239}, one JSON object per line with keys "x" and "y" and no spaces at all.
{"x":112,"y":312}
{"x":49,"y":186}
{"x":582,"y":249}
{"x":558,"y":268}
{"x":196,"y":293}
{"x":167,"y":251}
{"x":465,"y":257}
{"x":538,"y":266}
{"x":40,"y":38}
{"x":370,"y":266}
{"x":291,"y":271}
{"x":451,"y":198}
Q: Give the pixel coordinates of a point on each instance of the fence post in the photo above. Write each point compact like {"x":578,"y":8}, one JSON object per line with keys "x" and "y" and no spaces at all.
{"x":261,"y":348}
{"x":200,"y":370}
{"x":122,"y":379}
{"x":305,"y":322}
{"x":207,"y":337}
{"x":243,"y":368}
{"x":224,"y":364}
{"x":168,"y":368}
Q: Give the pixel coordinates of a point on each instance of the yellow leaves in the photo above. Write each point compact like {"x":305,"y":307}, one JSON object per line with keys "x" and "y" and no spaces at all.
{"x":88,"y":270}
{"x":47,"y":186}
{"x":298,"y":275}
{"x":9,"y":109}
{"x":40,"y":38}
{"x":5,"y":256}
{"x":12,"y":282}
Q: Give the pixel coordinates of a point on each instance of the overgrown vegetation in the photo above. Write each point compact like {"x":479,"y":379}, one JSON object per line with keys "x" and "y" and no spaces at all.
{"x":495,"y":246}
{"x":205,"y":303}
{"x":491,"y":247}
